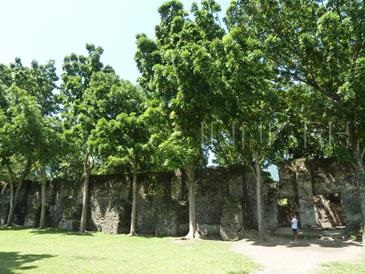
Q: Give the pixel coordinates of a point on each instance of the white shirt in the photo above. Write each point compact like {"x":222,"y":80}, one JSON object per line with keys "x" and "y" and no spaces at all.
{"x":294,"y":223}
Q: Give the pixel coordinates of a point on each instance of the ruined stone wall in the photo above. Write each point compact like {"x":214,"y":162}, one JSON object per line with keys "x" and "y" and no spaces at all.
{"x":225,"y":203}
{"x":301,"y":180}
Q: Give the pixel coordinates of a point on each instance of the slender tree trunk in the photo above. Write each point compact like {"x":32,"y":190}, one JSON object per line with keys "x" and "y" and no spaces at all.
{"x":258,"y":174}
{"x":11,"y":204}
{"x":191,"y":183}
{"x":85,"y":193}
{"x":132,"y":231}
{"x":361,"y":186}
{"x":42,"y":220}
{"x":15,"y":200}
{"x":15,"y":203}
{"x":360,"y":178}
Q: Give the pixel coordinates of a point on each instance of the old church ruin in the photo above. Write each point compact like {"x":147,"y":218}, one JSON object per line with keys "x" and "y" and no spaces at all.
{"x":322,"y":193}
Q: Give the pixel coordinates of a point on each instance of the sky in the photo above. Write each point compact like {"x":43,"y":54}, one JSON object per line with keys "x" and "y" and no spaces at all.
{"x":51,"y":29}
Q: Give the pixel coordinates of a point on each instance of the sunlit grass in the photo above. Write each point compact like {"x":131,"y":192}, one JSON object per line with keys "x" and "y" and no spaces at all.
{"x":51,"y":251}
{"x":355,"y":267}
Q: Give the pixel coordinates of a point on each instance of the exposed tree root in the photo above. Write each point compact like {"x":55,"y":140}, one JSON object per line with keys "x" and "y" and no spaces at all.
{"x":192,"y":236}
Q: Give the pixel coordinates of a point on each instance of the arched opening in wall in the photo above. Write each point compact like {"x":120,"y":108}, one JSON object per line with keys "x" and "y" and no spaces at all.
{"x":286,"y":208}
{"x":328,"y":211}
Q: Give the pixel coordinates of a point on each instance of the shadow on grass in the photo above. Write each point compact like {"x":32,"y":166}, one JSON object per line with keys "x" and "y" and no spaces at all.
{"x":13,"y":261}
{"x":46,"y":231}
{"x":59,"y":231}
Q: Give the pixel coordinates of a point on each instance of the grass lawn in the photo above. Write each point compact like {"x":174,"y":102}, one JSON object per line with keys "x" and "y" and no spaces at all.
{"x":344,"y":268}
{"x":52,"y":251}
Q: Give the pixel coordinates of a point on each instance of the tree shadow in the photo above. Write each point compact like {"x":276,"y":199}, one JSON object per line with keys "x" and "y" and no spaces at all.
{"x":54,"y":231}
{"x":273,"y":241}
{"x":46,"y":231}
{"x":11,"y":228}
{"x":14,"y":261}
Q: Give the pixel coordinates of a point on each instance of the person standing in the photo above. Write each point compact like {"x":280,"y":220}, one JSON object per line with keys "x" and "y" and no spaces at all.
{"x":294,"y":227}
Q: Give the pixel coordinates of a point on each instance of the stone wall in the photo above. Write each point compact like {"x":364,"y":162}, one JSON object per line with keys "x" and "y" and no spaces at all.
{"x":225,"y":203}
{"x":301,"y":180}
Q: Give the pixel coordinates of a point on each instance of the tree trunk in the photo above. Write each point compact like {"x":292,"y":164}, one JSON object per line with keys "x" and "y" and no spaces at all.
{"x":85,"y":194}
{"x":11,"y":205}
{"x":258,"y":174}
{"x":361,"y":186}
{"x":132,"y":231}
{"x":15,"y":199}
{"x":191,"y":183}
{"x":42,"y":220}
{"x":15,"y":203}
{"x":360,"y":178}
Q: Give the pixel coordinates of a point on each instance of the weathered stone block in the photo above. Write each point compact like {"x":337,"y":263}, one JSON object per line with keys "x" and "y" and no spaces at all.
{"x":167,"y":222}
{"x":146,"y":214}
{"x":183,"y":229}
{"x":32,"y":213}
{"x":271,"y":211}
{"x":305,"y":195}
{"x":209,"y":230}
{"x":110,"y":220}
{"x":231,"y":221}
{"x":351,"y":207}
{"x":236,"y":187}
{"x":4,"y":206}
{"x":68,"y":224}
{"x":177,"y":186}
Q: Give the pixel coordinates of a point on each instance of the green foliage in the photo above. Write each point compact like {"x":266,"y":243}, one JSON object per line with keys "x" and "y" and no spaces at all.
{"x":27,"y":103}
{"x":86,"y":83}
{"x":121,"y":139}
{"x":176,"y":68}
{"x":283,"y":78}
{"x":249,"y":112}
{"x":316,"y":48}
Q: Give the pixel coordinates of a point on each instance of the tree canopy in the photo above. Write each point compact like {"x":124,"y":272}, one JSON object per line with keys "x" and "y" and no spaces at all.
{"x":273,"y":81}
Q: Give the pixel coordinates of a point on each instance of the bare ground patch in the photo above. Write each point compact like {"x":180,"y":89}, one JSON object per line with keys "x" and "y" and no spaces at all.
{"x":282,"y":256}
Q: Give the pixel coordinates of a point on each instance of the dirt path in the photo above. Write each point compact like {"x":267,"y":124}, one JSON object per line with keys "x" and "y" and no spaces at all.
{"x":281,"y":256}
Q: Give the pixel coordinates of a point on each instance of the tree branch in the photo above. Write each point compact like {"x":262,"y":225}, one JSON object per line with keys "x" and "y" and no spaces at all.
{"x":26,"y":170}
{"x":11,"y":173}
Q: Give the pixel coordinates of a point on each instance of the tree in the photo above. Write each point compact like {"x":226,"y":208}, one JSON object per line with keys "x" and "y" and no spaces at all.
{"x":319,"y":44}
{"x":27,"y":96}
{"x":249,"y":113}
{"x":82,"y":93}
{"x":175,"y":68}
{"x":20,"y":135}
{"x":122,"y":138}
{"x":48,"y":155}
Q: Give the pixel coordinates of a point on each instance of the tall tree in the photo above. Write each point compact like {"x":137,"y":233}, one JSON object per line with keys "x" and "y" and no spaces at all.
{"x":48,"y":157}
{"x":319,"y":44}
{"x":122,"y":138}
{"x":249,"y":111}
{"x":27,"y":97}
{"x":21,"y":134}
{"x":175,"y":67}
{"x":83,"y":106}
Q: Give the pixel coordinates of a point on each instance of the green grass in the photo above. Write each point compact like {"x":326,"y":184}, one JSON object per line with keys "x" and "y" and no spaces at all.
{"x":51,"y":251}
{"x":344,"y":268}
